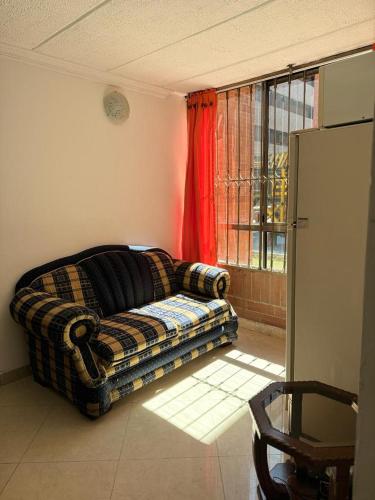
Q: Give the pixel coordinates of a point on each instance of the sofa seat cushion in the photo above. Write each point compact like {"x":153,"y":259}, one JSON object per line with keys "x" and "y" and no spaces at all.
{"x":185,"y":310}
{"x":167,"y":345}
{"x":128,"y":333}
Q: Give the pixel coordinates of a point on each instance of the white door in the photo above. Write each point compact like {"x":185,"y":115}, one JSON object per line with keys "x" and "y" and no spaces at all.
{"x":330,"y":179}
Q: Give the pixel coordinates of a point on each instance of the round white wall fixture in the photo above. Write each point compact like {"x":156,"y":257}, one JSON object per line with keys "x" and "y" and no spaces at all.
{"x":116,"y":106}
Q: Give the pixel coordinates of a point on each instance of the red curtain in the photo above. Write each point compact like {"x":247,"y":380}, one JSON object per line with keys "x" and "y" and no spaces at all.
{"x":199,"y":224}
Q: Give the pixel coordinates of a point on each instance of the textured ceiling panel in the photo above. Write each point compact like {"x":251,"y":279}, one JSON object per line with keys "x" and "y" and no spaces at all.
{"x":122,"y":31}
{"x":277,"y":25}
{"x":26,"y":23}
{"x":352,"y":37}
{"x":183,"y":45}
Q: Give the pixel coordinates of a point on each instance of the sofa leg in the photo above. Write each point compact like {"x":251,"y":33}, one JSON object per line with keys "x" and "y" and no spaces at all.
{"x":94,"y":417}
{"x":226,"y":344}
{"x":90,"y":417}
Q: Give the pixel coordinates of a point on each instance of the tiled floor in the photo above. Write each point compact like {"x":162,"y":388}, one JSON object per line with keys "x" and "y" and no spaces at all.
{"x":184,"y":437}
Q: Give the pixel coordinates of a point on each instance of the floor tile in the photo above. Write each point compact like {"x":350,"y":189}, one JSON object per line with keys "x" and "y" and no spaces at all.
{"x":189,"y":434}
{"x":239,"y":478}
{"x":260,"y":345}
{"x":18,"y":427}
{"x":151,"y":436}
{"x":27,"y":392}
{"x":68,"y":435}
{"x":169,"y":479}
{"x":6,"y":470}
{"x":65,"y":481}
{"x":237,"y":438}
{"x":155,"y":388}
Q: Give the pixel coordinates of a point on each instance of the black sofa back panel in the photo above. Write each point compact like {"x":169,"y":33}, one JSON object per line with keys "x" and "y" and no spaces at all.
{"x":121,"y":280}
{"x":27,"y":278}
{"x":107,"y":280}
{"x":31,"y":275}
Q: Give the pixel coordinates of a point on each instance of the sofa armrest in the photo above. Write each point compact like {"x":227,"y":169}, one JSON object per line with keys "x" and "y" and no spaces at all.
{"x":63,"y":323}
{"x":202,"y":279}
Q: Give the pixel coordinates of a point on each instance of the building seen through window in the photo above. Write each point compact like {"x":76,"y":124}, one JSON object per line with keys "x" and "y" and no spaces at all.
{"x":253,"y":129}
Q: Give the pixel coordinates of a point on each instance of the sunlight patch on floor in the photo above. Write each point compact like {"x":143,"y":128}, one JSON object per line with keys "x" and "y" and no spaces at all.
{"x":208,"y":402}
{"x":262,"y":364}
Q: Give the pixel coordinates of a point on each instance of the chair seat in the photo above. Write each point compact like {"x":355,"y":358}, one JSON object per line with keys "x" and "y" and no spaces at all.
{"x":126,"y":334}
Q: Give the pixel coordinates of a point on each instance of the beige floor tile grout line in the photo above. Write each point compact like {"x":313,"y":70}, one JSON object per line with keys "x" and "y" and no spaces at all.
{"x":120,"y":453}
{"x":48,"y":413}
{"x":9,"y":478}
{"x":49,"y":409}
{"x":221,"y":478}
{"x":69,"y":460}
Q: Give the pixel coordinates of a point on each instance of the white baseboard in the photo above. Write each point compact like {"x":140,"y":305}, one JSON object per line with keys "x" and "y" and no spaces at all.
{"x":13,"y":375}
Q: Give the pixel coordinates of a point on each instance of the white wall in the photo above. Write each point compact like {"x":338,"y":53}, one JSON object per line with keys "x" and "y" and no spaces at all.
{"x":70,"y":179}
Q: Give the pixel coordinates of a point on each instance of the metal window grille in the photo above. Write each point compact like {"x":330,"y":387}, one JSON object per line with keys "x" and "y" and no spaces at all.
{"x":253,"y":129}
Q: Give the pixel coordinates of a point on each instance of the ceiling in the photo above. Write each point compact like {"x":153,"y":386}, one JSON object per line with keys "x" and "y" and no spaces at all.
{"x":181,"y":45}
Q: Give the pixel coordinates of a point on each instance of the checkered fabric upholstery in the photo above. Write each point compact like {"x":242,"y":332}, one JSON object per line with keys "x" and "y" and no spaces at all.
{"x":63,"y":372}
{"x":70,"y":283}
{"x":165,"y":346}
{"x":107,"y":322}
{"x":67,"y":373}
{"x":185,"y":311}
{"x":124,"y":334}
{"x":127,"y":333}
{"x":168,"y":367}
{"x":202,"y":279}
{"x":163,"y":274}
{"x":61,"y":322}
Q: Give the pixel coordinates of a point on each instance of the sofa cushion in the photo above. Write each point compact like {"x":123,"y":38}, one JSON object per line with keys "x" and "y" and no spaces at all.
{"x":113,"y":281}
{"x":162,"y":272}
{"x":121,"y":280}
{"x":127,"y":333}
{"x":70,"y":283}
{"x":162,"y":347}
{"x":185,"y":310}
{"x":202,"y":279}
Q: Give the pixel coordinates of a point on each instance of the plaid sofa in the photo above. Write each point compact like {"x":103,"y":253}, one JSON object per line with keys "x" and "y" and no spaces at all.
{"x":107,"y":321}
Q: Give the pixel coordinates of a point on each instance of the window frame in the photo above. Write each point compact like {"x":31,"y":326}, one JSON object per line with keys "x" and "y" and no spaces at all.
{"x":264,"y":228}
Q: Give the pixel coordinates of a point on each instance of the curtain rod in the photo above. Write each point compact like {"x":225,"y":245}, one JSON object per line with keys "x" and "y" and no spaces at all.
{"x":296,"y":68}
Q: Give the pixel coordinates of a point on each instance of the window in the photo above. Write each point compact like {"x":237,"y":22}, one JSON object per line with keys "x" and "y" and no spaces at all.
{"x":253,"y":127}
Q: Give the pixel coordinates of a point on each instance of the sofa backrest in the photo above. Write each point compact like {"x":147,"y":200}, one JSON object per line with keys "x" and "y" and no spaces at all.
{"x":70,"y":283}
{"x":112,"y":281}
